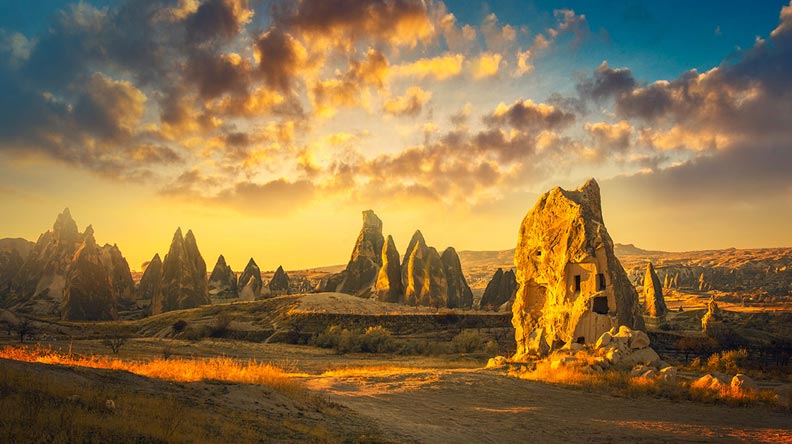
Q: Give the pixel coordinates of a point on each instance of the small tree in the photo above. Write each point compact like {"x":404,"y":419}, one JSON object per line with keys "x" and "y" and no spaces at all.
{"x":115,"y":339}
{"x":24,"y":328}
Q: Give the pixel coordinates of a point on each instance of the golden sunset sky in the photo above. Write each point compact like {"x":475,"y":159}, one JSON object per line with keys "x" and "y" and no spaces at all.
{"x":266,"y":127}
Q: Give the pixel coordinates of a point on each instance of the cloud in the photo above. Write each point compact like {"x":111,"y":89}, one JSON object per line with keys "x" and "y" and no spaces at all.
{"x":217,"y":19}
{"x":527,"y":115}
{"x":281,"y":57}
{"x":487,"y":65}
{"x":109,"y":108}
{"x":611,"y":137}
{"x":346,"y":89}
{"x":441,"y":67}
{"x":410,"y":104}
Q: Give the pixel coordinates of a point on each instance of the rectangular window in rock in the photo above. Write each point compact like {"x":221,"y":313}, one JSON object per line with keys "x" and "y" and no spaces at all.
{"x":600,"y":281}
{"x":599,"y":305}
{"x":577,"y":283}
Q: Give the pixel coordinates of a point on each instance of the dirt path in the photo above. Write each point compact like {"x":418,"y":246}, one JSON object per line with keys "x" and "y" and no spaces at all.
{"x":480,"y":406}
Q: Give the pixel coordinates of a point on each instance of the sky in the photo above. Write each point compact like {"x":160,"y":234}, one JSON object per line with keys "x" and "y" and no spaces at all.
{"x":266,"y":127}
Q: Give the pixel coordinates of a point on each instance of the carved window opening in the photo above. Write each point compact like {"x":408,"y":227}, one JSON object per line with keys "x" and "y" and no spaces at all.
{"x":599,"y":305}
{"x":581,"y":340}
{"x":577,"y":283}
{"x":600,"y":281}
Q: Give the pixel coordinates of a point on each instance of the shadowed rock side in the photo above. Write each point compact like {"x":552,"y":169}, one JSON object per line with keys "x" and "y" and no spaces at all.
{"x":250,"y":282}
{"x":223,"y":280}
{"x":389,"y":279}
{"x":572,"y":286}
{"x":279,"y":284}
{"x":10,"y":263}
{"x":360,"y":274}
{"x":183,"y":281}
{"x":653,"y":293}
{"x":500,"y":290}
{"x":120,"y":276}
{"x":150,"y":279}
{"x":88,"y":293}
{"x":459,"y":293}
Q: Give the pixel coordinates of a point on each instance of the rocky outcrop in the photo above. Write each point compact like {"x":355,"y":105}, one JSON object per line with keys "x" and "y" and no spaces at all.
{"x":183,"y":281}
{"x":500,"y":291}
{"x":712,"y":321}
{"x":250,"y":282}
{"x":360,"y":274}
{"x":459,"y":293}
{"x":571,"y":283}
{"x":389,"y":279}
{"x":653,"y":293}
{"x":223,"y":281}
{"x":89,"y":294}
{"x":150,"y":279}
{"x":423,"y":275}
{"x":120,"y":276}
{"x":279,"y":284}
{"x":12,"y":256}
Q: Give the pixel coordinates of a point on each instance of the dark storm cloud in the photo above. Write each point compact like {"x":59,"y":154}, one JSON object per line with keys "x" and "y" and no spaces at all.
{"x":217,"y":19}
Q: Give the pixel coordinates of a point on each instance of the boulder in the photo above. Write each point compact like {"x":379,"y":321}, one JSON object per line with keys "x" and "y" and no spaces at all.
{"x":223,"y":281}
{"x":150,"y":279}
{"x":603,"y":340}
{"x":500,"y":290}
{"x":88,"y":293}
{"x":571,"y":282}
{"x":279,"y":284}
{"x":389,"y":279}
{"x":250,"y":282}
{"x":459,"y":294}
{"x":743,"y":383}
{"x":183,"y":281}
{"x":364,"y":264}
{"x":497,"y":361}
{"x":639,"y":340}
{"x":669,"y":374}
{"x":646,"y":356}
{"x":537,"y":343}
{"x":710,"y":382}
{"x":653,"y":293}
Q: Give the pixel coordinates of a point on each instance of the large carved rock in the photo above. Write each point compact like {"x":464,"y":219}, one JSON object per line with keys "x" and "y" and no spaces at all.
{"x":279,"y":284}
{"x":89,"y":293}
{"x":183,"y":281}
{"x":500,"y":291}
{"x":389,"y":279}
{"x":459,"y":294}
{"x":250,"y":282}
{"x":571,"y":283}
{"x":364,"y":264}
{"x":223,"y":280}
{"x":150,"y":279}
{"x":653,"y":293}
{"x":120,"y":276}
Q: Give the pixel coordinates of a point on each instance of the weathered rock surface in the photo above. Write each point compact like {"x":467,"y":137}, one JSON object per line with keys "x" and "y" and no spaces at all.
{"x":89,"y":294}
{"x":423,"y":275}
{"x":571,"y":283}
{"x":712,"y":321}
{"x":459,"y":294}
{"x":279,"y":284}
{"x":653,"y":293}
{"x":500,"y":291}
{"x":223,"y":281}
{"x":150,"y":279}
{"x":389,"y":279}
{"x":183,"y":281}
{"x":12,"y":257}
{"x":250,"y":282}
{"x":120,"y":276}
{"x":360,"y":274}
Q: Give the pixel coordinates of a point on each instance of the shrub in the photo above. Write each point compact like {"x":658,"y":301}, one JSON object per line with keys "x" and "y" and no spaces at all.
{"x":468,"y":342}
{"x":731,"y":361}
{"x":179,"y":326}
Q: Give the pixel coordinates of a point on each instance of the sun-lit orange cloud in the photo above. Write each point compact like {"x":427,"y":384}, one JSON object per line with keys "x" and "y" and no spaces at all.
{"x":487,"y":65}
{"x":678,"y":137}
{"x":410,"y":104}
{"x":440,"y":68}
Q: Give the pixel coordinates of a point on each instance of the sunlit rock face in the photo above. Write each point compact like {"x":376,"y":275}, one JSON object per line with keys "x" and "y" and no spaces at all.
{"x":653,"y":293}
{"x":150,"y":279}
{"x":223,"y":280}
{"x":459,"y":293}
{"x":360,"y":274}
{"x":89,"y":294}
{"x":500,"y":291}
{"x":571,"y":283}
{"x":423,"y":275}
{"x":250,"y":282}
{"x":389,"y":279}
{"x":183,"y":281}
{"x":279,"y":284}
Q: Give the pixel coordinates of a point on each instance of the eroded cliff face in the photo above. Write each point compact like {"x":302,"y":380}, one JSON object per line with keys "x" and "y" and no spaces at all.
{"x":572,"y":286}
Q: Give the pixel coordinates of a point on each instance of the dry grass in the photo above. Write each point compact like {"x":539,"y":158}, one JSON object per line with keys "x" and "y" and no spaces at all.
{"x":182,"y":370}
{"x":620,"y":383}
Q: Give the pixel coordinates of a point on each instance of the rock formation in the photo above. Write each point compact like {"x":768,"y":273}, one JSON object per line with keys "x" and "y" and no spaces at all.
{"x":183,"y":280}
{"x":389,"y":279}
{"x":653,"y":293}
{"x":13,"y":253}
{"x":571,"y":283}
{"x":250,"y":282}
{"x":150,"y":279}
{"x":120,"y":276}
{"x":712,"y":322}
{"x":500,"y":291}
{"x":459,"y":293}
{"x":360,"y":274}
{"x":279,"y":284}
{"x":423,"y":275}
{"x":223,"y":280}
{"x":89,"y":294}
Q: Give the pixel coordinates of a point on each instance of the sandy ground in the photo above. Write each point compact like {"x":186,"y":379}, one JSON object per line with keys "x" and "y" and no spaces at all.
{"x":484,"y":406}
